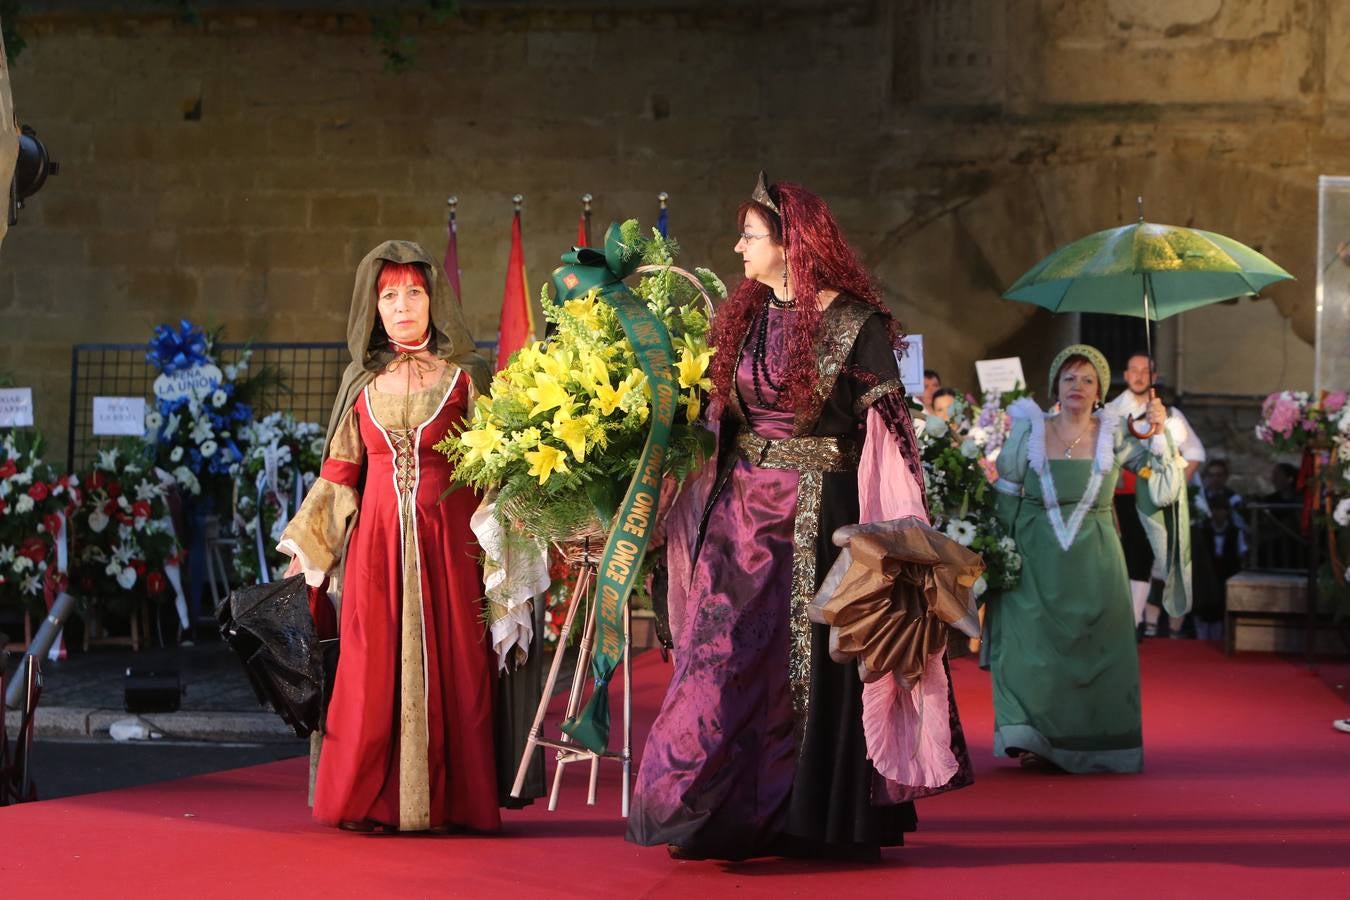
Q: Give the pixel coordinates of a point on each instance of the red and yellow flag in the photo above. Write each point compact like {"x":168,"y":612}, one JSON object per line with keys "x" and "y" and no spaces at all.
{"x":517,"y":323}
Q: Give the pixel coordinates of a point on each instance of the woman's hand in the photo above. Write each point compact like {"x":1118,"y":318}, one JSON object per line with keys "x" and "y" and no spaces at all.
{"x":293,"y":568}
{"x":1157,"y":414}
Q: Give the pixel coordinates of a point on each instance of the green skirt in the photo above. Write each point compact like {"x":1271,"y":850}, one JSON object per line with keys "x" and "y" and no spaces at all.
{"x":1061,"y":645}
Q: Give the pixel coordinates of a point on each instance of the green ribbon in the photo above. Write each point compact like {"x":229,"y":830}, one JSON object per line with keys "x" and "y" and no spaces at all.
{"x":621,"y":563}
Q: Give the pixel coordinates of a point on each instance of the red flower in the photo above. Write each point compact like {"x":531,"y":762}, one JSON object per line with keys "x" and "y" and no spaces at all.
{"x":138,"y":565}
{"x":156,"y":583}
{"x":96,"y":481}
{"x":52,"y":522}
{"x":141,"y":509}
{"x":114,"y":490}
{"x":35,"y":548}
{"x":8,"y":469}
{"x":39,"y":491}
{"x":3,"y":504}
{"x":124,"y":518}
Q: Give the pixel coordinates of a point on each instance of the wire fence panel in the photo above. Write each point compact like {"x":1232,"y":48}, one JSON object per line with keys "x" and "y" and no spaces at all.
{"x":310,"y":374}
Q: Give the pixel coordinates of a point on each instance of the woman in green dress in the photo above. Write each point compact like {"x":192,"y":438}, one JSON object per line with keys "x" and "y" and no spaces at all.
{"x":1061,"y":644}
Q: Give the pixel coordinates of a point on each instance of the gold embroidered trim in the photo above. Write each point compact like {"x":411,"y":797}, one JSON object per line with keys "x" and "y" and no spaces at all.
{"x":836,"y":342}
{"x":805,"y":529}
{"x":804,"y":454}
{"x":865,"y":402}
{"x":414,"y":775}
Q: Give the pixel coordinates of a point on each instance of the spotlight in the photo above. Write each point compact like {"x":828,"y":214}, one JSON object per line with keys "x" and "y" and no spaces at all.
{"x":30,"y":172}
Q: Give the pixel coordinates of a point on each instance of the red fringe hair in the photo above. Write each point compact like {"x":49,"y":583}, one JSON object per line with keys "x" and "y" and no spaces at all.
{"x":399,"y":274}
{"x":818,"y":258}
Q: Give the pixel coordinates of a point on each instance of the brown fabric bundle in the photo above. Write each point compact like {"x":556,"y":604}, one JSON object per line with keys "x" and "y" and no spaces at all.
{"x":891,"y":596}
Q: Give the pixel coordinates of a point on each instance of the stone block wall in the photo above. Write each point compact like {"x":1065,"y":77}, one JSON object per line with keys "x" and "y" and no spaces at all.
{"x":234,"y":170}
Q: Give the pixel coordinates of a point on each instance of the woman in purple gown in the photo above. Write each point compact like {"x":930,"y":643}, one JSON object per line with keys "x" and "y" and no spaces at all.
{"x":764,"y":745}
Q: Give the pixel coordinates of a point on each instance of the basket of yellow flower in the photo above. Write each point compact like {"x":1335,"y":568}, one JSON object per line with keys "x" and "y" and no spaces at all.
{"x":562,"y":427}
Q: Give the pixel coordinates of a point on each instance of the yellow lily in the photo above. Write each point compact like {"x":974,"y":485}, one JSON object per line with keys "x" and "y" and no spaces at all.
{"x":584,"y":310}
{"x":692,"y":406}
{"x":547,"y":394}
{"x":482,"y":441}
{"x":573,"y":432}
{"x":545,"y":461}
{"x":692,"y":368}
{"x":528,"y":437}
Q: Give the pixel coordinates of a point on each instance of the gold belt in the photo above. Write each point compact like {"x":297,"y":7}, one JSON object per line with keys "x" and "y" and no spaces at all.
{"x":804,"y":454}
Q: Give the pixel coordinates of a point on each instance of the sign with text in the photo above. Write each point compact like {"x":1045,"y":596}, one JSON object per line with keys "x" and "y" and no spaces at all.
{"x":911,"y":365}
{"x":199,"y":380}
{"x":123,"y":416}
{"x":16,"y":407}
{"x":1000,"y":374}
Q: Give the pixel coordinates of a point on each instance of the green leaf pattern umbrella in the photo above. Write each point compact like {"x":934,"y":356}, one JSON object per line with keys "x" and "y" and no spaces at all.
{"x":1146,"y":270}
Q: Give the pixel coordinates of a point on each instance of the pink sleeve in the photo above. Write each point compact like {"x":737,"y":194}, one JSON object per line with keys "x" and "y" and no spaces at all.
{"x":907,"y":733}
{"x":886,"y":486}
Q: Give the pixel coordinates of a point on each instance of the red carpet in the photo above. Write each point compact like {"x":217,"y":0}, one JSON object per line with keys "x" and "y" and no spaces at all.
{"x":1246,"y":794}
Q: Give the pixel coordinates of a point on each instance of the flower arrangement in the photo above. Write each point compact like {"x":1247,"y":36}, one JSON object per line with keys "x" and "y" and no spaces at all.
{"x":124,"y":536}
{"x":279,"y":465}
{"x":563,"y":425}
{"x":1299,"y":422}
{"x":562,"y":582}
{"x":1294,"y":420}
{"x":199,"y":407}
{"x":957,"y":470}
{"x":34,"y":504}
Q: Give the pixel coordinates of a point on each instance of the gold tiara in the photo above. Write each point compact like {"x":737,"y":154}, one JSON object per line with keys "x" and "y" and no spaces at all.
{"x":761,"y":194}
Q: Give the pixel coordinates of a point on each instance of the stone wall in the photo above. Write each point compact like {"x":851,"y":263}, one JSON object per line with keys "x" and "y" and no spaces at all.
{"x":235,"y":170}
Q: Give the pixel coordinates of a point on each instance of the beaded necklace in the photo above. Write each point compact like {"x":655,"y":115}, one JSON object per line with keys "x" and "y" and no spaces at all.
{"x":760,"y":372}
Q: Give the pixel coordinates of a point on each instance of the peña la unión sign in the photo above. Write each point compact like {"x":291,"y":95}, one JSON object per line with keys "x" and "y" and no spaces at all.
{"x":198,"y":380}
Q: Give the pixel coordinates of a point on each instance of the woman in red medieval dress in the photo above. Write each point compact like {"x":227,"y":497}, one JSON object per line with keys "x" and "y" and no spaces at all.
{"x":409,"y":736}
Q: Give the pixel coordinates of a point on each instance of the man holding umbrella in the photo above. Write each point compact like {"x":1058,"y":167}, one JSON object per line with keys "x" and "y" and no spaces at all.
{"x":1140,"y":375}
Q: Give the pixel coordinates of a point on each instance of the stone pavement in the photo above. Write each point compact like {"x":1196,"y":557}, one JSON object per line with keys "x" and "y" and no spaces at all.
{"x":82,"y":695}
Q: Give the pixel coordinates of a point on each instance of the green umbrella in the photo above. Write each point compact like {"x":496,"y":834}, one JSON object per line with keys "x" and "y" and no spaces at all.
{"x":1145,"y":270}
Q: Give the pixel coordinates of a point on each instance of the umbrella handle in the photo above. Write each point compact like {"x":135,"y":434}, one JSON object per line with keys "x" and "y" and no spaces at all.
{"x":1149,"y":429}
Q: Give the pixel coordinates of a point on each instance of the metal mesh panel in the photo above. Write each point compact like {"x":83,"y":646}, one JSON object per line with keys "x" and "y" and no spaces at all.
{"x":310,"y":375}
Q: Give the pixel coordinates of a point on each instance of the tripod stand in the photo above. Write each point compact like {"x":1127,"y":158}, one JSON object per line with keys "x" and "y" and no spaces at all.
{"x":568,"y":751}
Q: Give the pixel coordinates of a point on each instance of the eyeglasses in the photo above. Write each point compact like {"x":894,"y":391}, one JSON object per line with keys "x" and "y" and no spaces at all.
{"x":748,"y":237}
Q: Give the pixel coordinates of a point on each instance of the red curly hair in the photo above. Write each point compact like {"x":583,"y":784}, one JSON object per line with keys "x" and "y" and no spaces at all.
{"x":818,"y":258}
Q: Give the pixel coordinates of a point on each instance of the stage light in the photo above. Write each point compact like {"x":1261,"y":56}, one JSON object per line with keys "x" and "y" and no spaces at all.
{"x":30,"y":172}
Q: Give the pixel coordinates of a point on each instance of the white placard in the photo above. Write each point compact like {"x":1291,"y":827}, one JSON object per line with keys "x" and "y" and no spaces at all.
{"x":200,"y":380}
{"x":1000,"y":374}
{"x":16,"y":407}
{"x":911,"y":365}
{"x":119,"y":416}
